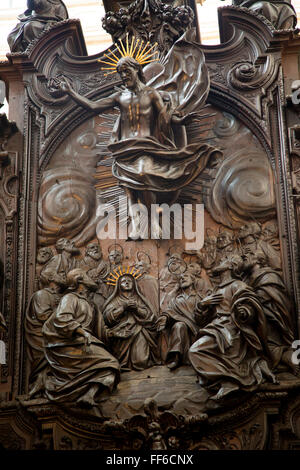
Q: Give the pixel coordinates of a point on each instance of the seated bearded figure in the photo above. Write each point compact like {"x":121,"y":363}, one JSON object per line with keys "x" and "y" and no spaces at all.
{"x":132,"y":321}
{"x":80,"y":366}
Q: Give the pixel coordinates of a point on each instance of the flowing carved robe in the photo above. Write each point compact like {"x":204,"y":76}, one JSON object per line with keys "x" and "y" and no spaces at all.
{"x":271,"y":291}
{"x":32,"y":25}
{"x":149,"y":288}
{"x":73,"y":366}
{"x":139,"y":349}
{"x":280,"y":13}
{"x":41,"y":306}
{"x":183,"y":314}
{"x":228,"y":352}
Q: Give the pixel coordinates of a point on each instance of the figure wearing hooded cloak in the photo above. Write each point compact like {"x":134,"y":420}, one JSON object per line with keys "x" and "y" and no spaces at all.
{"x":131,"y":319}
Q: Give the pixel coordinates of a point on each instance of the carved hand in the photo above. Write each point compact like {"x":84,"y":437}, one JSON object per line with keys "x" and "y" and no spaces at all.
{"x":64,"y":84}
{"x":161,"y":323}
{"x":212,"y":300}
{"x":125,"y":333}
{"x":86,"y":335}
{"x":177,"y":118}
{"x":87,"y":338}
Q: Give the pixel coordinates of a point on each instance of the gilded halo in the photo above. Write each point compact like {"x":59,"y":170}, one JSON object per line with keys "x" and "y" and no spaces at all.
{"x":118,"y":272}
{"x":139,"y":50}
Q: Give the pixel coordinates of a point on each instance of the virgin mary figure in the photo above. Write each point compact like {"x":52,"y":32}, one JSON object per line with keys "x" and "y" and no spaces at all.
{"x":131,"y":320}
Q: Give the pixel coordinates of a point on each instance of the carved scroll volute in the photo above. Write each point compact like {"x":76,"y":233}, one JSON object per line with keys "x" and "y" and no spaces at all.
{"x":246,"y":75}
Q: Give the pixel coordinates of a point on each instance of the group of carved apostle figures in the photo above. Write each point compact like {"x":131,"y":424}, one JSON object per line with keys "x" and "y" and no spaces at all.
{"x":231,"y":323}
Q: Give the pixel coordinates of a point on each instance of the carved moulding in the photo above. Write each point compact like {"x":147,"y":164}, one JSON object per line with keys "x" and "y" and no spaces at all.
{"x":260,"y":421}
{"x":9,"y":187}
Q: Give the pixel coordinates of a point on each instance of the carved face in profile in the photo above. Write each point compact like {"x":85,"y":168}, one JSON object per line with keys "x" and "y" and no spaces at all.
{"x":195,"y":269}
{"x":232,"y":263}
{"x":253,"y":229}
{"x":50,"y":275}
{"x":209,"y":245}
{"x":249,"y":261}
{"x":175,"y":263}
{"x":66,"y":245}
{"x":78,"y":276}
{"x":60,"y":279}
{"x":126,"y":284}
{"x":142,"y":266}
{"x":244,"y":232}
{"x":253,"y":259}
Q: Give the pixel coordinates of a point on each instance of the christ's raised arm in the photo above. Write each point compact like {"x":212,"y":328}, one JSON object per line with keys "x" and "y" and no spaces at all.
{"x":94,"y":106}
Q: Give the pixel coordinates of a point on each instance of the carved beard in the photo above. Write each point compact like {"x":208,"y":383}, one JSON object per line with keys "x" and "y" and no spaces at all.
{"x":94,"y":257}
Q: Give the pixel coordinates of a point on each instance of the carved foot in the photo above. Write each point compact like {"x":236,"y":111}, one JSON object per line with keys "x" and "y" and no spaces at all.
{"x":267,"y":373}
{"x":109,"y":381}
{"x":37,"y":389}
{"x":175,"y":363}
{"x":224,"y":390}
{"x":272,"y":378}
{"x":87,"y":400}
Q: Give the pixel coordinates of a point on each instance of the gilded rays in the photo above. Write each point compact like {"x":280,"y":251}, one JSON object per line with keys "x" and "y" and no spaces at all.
{"x":139,"y":50}
{"x":118,"y":272}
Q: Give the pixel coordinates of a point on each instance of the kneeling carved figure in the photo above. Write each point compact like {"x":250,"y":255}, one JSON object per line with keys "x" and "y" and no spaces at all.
{"x":132,"y":321}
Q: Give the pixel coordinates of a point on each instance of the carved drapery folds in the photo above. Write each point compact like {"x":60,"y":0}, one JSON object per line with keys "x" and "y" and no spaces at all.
{"x":38,"y":16}
{"x":281,"y":14}
{"x":150,"y":312}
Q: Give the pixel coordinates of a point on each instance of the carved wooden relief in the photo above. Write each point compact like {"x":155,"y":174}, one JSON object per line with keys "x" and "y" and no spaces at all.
{"x":87,"y":318}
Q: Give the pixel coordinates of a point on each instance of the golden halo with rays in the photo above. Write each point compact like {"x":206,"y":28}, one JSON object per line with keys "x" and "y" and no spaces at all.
{"x":118,"y":272}
{"x":141,"y":51}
